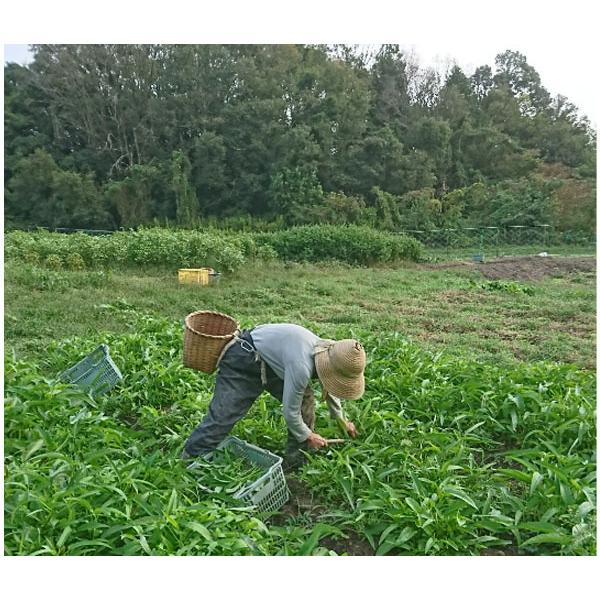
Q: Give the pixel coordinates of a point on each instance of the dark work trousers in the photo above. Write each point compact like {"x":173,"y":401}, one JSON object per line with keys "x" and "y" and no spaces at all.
{"x":238,"y":386}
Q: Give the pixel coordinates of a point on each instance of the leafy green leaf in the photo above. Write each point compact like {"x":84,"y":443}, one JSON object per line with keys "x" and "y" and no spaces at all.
{"x":63,"y":536}
{"x":201,"y":529}
{"x":462,"y":496}
{"x":319,"y":531}
{"x":548,"y":538}
{"x":33,"y":448}
{"x":536,"y":479}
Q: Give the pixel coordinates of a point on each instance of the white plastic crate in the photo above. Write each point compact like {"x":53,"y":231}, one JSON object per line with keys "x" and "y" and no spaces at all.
{"x":270,"y":491}
{"x":96,"y":373}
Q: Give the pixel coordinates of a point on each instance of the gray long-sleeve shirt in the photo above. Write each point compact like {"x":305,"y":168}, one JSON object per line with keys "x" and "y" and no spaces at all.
{"x":289,"y":350}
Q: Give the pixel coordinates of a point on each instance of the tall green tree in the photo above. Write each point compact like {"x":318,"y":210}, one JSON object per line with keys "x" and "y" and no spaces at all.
{"x":131,"y":198}
{"x":391,"y":102}
{"x":26,"y":127}
{"x":294,"y":193}
{"x":43,"y":194}
{"x":523,"y":81}
{"x":185,"y":194}
{"x":255,"y":121}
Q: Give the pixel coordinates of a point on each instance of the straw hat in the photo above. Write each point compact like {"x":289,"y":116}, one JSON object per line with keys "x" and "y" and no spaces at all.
{"x":340,"y":367}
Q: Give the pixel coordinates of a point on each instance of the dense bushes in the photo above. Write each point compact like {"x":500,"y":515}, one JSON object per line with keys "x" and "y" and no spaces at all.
{"x":221,"y":250}
{"x":41,"y":192}
{"x":144,"y":247}
{"x":352,"y":244}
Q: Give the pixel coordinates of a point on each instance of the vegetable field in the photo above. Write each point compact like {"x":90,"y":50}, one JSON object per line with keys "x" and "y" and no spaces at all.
{"x":227,"y":251}
{"x":461,"y":450}
{"x":455,"y":458}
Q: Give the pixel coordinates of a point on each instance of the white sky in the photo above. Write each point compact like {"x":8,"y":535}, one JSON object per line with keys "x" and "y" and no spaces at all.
{"x":559,"y":38}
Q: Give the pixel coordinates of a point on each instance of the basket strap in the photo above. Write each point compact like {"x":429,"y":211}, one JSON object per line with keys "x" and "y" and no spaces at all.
{"x":257,"y":356}
{"x":323,"y":346}
{"x":226,"y":347}
{"x":263,"y":368}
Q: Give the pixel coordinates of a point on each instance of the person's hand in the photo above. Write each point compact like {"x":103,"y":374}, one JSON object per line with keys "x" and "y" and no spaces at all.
{"x":351,"y":429}
{"x":315,"y":441}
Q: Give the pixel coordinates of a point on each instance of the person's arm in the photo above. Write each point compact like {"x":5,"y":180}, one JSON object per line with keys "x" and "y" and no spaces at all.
{"x":336,"y":412}
{"x":293,"y":394}
{"x":335,"y":406}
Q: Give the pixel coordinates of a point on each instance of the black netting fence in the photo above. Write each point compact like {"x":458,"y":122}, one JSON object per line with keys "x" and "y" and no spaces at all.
{"x":479,"y":242}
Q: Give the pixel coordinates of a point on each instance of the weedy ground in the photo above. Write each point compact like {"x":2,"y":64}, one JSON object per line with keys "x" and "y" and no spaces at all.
{"x":477,"y":427}
{"x":443,"y":308}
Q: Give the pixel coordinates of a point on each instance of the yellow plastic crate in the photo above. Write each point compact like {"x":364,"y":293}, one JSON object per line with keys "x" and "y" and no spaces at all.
{"x":199,"y":276}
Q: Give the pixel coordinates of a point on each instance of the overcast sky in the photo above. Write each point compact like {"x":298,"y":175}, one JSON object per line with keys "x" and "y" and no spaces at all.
{"x":558,"y":37}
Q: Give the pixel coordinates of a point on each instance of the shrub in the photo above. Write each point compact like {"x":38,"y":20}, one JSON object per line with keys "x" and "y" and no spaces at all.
{"x":31,"y":257}
{"x":53,"y":261}
{"x":350,"y":244}
{"x":338,"y":209}
{"x":224,"y":251}
{"x":177,"y":248}
{"x":74,"y":262}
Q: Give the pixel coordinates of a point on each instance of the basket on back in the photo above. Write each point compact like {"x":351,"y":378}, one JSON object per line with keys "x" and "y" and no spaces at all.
{"x":206,"y":334}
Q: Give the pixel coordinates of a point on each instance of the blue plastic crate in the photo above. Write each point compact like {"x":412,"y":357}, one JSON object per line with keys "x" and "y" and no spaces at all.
{"x":96,"y":373}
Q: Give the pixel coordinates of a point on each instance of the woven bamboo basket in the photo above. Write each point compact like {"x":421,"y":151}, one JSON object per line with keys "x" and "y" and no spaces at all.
{"x":206,"y":334}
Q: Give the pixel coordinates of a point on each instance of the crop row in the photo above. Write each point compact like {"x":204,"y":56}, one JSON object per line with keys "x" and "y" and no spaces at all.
{"x":461,"y":457}
{"x":454,"y":457}
{"x":224,"y":251}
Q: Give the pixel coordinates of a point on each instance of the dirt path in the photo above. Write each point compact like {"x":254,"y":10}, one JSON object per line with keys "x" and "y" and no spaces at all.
{"x":525,"y":268}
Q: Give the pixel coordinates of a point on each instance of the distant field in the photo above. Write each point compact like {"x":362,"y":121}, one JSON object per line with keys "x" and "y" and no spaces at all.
{"x":441,"y":308}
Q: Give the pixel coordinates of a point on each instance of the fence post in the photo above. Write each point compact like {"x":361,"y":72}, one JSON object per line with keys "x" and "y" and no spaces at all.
{"x":497,"y":242}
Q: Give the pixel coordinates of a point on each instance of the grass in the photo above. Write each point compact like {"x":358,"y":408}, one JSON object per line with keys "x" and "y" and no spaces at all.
{"x":440,"y":309}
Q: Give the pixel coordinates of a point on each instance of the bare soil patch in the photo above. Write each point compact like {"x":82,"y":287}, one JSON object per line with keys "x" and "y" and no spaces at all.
{"x":353,"y":545}
{"x":302,"y":502}
{"x":525,"y":268}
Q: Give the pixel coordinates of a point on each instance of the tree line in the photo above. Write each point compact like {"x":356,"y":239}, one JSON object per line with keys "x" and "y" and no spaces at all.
{"x":114,"y":136}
